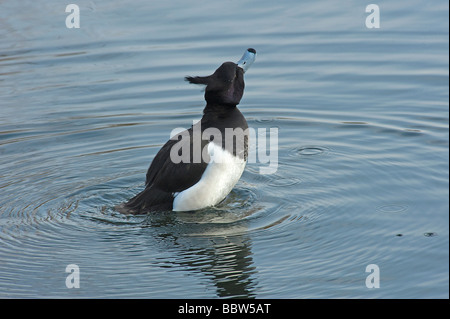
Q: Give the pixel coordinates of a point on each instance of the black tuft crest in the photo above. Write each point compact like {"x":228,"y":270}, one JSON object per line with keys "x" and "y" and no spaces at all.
{"x":197,"y":79}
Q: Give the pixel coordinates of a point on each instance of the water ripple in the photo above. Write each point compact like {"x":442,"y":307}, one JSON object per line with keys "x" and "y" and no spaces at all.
{"x":392,"y":208}
{"x":309,"y":150}
{"x":362,"y":118}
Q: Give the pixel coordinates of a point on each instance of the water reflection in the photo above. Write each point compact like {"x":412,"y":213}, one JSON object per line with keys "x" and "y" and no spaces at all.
{"x":213,"y":243}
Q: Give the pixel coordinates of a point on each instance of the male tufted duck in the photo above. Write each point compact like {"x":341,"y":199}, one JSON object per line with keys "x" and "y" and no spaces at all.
{"x":198,"y":167}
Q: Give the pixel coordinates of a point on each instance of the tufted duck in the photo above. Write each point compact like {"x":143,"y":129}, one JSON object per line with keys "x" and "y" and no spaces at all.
{"x":198,"y":167}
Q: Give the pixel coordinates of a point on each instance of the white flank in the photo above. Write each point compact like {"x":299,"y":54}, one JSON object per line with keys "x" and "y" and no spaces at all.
{"x":219,"y":178}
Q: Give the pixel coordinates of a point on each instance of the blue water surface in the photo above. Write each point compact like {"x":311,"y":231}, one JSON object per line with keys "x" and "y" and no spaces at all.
{"x":362,"y":176}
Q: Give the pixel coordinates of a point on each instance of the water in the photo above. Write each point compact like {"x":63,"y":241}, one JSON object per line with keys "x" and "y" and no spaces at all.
{"x":362,"y":178}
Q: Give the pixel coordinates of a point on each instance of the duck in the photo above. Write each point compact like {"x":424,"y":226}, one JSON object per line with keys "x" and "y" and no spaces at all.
{"x":198,"y":167}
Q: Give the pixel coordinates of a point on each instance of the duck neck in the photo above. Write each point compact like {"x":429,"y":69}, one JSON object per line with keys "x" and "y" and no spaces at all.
{"x":218,"y":108}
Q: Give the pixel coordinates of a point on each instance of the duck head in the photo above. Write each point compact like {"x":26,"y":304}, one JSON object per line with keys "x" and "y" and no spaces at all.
{"x":226,"y":85}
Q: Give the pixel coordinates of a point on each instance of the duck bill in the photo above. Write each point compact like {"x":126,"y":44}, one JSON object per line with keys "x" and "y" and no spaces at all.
{"x":247,"y":59}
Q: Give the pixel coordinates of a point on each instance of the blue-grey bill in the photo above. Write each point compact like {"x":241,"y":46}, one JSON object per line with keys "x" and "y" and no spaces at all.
{"x":247,"y":59}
